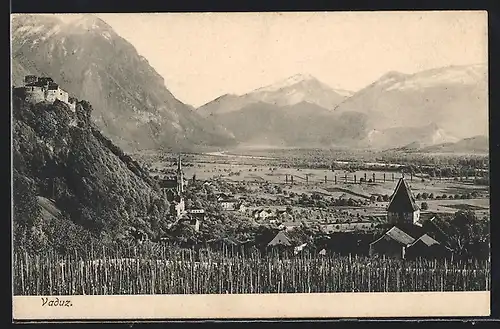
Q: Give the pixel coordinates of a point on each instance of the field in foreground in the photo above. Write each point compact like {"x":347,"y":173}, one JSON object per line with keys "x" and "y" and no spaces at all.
{"x":189,"y":272}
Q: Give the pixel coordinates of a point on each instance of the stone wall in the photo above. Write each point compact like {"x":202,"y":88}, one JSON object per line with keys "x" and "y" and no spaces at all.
{"x":34,"y":94}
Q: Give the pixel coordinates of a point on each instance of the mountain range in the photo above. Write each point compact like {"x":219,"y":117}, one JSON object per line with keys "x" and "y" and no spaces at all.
{"x":471,"y":145}
{"x":300,"y":88}
{"x":89,"y":60}
{"x":430,"y":107}
{"x":134,"y":108}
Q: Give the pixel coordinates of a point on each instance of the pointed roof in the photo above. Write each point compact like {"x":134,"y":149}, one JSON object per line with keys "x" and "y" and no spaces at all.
{"x":397,"y":235}
{"x":402,"y":199}
{"x":426,"y":239}
{"x":280,"y":239}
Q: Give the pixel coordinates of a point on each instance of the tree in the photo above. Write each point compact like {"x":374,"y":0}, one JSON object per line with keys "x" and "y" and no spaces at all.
{"x":424,"y":206}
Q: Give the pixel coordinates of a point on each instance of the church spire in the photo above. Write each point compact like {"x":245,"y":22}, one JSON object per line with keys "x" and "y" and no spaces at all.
{"x":180,"y":176}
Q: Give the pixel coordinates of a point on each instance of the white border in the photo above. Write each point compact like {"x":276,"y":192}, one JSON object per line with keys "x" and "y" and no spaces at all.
{"x":250,"y":306}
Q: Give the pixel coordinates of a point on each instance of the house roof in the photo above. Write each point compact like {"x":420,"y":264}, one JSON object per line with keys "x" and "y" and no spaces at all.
{"x":402,"y":199}
{"x":53,"y":86}
{"x":397,"y":235}
{"x":280,"y":239}
{"x":426,"y":239}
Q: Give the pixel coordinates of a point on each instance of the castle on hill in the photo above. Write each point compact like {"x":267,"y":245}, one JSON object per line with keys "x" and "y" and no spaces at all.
{"x":44,"y":89}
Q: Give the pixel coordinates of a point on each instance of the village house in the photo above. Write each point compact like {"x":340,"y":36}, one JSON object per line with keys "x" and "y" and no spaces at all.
{"x":399,"y":242}
{"x":426,"y":247}
{"x":190,"y":220}
{"x":402,"y":207}
{"x":196,"y":216}
{"x":228,"y":203}
{"x":40,"y":89}
{"x":280,"y":240}
{"x":263,"y":214}
{"x":392,"y":244}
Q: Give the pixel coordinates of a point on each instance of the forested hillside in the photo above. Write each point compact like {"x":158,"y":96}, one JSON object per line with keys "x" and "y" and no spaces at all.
{"x":73,"y":186}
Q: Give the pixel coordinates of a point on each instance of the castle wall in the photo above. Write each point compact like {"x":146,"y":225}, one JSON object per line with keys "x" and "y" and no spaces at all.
{"x":34,"y":94}
{"x":51,"y":95}
{"x":37,"y":94}
{"x":62,"y":96}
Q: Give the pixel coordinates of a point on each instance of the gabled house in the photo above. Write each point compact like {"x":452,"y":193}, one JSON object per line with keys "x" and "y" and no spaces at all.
{"x":392,"y":244}
{"x":402,"y":206}
{"x":427,"y":247}
{"x":280,"y":240}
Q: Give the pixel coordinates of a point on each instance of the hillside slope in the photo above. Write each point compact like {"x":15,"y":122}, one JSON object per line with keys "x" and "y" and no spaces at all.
{"x":476,"y":144}
{"x":99,"y":193}
{"x":302,"y":124}
{"x":89,"y":60}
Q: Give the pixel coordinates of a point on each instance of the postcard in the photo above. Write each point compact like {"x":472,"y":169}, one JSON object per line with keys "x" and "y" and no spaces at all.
{"x":250,"y":165}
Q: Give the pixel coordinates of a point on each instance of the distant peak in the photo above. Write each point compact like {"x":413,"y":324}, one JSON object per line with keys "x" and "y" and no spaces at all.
{"x":300,"y":77}
{"x":290,"y":81}
{"x":83,"y":21}
{"x":393,"y":75}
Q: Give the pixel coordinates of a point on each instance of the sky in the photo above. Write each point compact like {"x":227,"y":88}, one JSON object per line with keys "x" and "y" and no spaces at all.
{"x":205,"y":55}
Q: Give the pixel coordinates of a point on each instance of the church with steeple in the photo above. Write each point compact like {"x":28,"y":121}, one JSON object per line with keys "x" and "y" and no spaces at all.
{"x":173,"y":186}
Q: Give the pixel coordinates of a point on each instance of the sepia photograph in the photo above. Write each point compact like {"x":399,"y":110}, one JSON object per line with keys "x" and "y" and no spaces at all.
{"x":255,"y":153}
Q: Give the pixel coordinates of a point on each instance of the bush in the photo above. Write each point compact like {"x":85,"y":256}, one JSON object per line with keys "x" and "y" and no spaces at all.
{"x":424,"y":206}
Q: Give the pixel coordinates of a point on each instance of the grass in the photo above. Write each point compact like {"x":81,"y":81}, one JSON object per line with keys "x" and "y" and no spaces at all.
{"x":175,"y":271}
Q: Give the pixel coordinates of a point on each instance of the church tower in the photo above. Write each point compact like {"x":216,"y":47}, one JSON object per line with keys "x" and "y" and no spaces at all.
{"x":180,"y":177}
{"x":402,"y":206}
